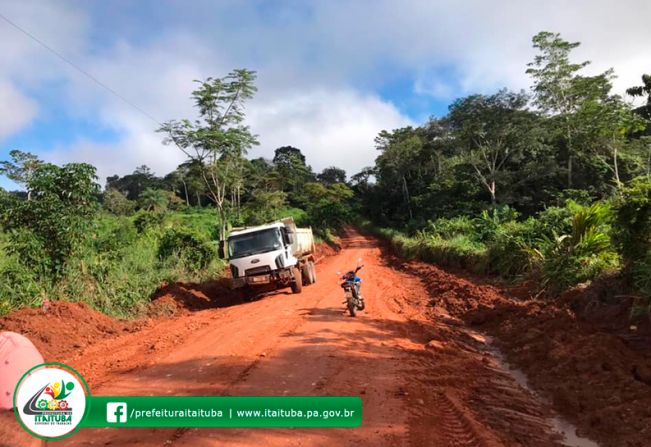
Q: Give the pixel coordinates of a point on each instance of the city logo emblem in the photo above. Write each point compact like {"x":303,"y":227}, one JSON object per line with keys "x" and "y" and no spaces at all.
{"x":50,"y":401}
{"x":49,"y":406}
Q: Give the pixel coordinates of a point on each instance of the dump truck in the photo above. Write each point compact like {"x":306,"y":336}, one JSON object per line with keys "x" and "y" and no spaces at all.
{"x":273,"y":255}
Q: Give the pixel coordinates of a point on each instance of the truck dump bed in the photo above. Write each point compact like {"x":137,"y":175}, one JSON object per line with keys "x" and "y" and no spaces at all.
{"x":303,"y":242}
{"x":303,"y":238}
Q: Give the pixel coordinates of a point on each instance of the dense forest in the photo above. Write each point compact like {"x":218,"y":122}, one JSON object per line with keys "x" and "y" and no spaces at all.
{"x":552,"y":184}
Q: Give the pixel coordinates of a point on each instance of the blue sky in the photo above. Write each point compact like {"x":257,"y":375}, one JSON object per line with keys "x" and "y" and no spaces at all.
{"x":331,"y":73}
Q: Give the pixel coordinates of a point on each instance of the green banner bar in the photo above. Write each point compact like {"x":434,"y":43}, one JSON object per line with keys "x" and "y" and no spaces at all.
{"x":209,"y":411}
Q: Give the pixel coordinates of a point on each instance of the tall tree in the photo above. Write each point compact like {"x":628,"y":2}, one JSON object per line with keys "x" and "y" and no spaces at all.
{"x":177,"y":181}
{"x":292,"y":169}
{"x":642,"y":90}
{"x":155,"y":200}
{"x":21,"y":169}
{"x":397,"y":164}
{"x":262,"y":176}
{"x":219,"y":139}
{"x":192,"y":172}
{"x":607,"y":124}
{"x":439,"y":138}
{"x":132,"y":185}
{"x":560,"y":91}
{"x":493,"y":131}
{"x":644,"y":110}
{"x":332,"y":175}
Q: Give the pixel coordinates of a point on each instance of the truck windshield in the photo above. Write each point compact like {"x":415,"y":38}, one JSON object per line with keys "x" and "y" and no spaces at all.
{"x":253,"y":243}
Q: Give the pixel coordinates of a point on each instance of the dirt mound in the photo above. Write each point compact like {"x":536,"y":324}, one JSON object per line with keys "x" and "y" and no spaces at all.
{"x":186,"y":297}
{"x":64,"y":328}
{"x":323,"y":250}
{"x":570,"y":349}
{"x":455,"y":293}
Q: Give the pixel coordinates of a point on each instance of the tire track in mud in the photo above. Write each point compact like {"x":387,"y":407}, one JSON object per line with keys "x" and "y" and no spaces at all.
{"x":457,"y":428}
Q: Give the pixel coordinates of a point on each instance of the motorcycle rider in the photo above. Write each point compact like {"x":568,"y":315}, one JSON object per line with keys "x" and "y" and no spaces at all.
{"x":351,"y":277}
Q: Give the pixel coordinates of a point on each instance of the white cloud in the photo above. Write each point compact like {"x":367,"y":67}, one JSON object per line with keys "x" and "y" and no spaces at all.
{"x":331,"y":127}
{"x":16,"y":110}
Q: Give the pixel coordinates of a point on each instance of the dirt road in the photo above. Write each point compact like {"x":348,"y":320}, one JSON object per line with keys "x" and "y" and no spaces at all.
{"x":424,"y":377}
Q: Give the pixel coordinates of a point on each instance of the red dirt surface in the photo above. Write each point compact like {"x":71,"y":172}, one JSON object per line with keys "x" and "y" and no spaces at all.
{"x":425,"y":376}
{"x":572,"y":351}
{"x":65,"y":328}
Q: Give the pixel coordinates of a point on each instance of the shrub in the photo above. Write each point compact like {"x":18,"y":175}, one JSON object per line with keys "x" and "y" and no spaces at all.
{"x":117,"y":203}
{"x":508,"y":251}
{"x":28,"y":250}
{"x":488,"y":223}
{"x":19,"y":286}
{"x":569,"y":259}
{"x":145,"y":220}
{"x":553,"y":220}
{"x":194,"y":250}
{"x":62,"y":203}
{"x":449,"y":228}
{"x":203,"y":221}
{"x":111,"y":234}
{"x":633,"y":221}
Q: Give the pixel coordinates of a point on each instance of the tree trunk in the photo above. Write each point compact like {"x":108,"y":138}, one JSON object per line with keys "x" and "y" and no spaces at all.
{"x":438,"y":164}
{"x":405,"y":190}
{"x":615,"y":165}
{"x":239,"y":202}
{"x":491,"y":189}
{"x":222,"y":218}
{"x":569,"y":153}
{"x":185,"y":190}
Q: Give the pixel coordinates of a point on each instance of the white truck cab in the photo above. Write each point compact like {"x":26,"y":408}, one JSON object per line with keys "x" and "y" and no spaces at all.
{"x":277,"y":254}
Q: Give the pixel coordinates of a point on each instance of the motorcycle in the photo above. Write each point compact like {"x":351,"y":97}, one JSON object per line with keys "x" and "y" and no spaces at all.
{"x":351,"y":285}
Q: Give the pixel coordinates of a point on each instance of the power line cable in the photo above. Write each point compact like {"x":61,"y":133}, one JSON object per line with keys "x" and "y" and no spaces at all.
{"x":79,"y":69}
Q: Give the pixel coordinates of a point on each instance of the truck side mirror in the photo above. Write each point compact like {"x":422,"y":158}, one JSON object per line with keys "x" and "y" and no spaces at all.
{"x":288,"y":237}
{"x":222,"y":250}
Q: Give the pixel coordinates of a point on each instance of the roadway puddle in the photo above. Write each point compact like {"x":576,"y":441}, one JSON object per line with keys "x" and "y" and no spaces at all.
{"x":558,"y":424}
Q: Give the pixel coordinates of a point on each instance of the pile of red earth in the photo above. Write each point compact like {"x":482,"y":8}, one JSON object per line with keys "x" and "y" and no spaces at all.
{"x":186,"y":297}
{"x":596,"y":376}
{"x":324,"y":250}
{"x":64,"y":327}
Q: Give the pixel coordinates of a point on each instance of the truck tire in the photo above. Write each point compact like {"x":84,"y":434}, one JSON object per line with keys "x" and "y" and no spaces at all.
{"x":305,"y":273}
{"x":297,"y":284}
{"x":312,"y":271}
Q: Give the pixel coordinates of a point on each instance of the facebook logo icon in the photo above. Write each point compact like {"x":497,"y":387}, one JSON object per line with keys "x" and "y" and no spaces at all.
{"x":116,"y":412}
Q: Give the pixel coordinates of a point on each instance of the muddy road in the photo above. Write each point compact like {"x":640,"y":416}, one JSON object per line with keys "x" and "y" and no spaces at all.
{"x":424,"y":376}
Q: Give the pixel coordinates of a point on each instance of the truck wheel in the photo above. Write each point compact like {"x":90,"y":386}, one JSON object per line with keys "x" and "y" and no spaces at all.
{"x":305,"y":273}
{"x":312,"y":269}
{"x":297,"y":284}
